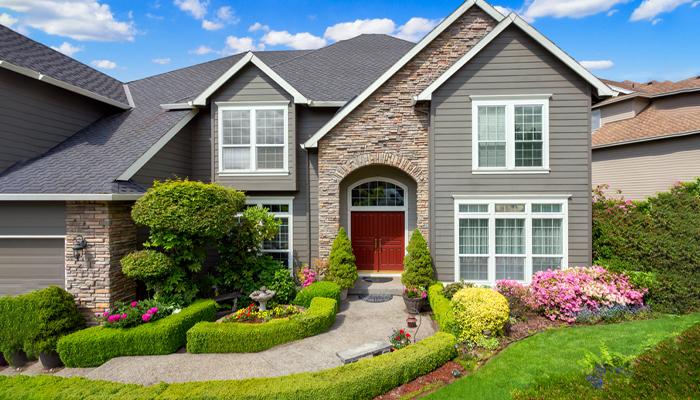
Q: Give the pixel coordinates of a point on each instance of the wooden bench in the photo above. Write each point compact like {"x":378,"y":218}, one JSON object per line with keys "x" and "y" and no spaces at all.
{"x":365,"y":350}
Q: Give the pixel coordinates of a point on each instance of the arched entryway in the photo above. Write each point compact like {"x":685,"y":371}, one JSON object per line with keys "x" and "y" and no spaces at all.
{"x":378,"y":209}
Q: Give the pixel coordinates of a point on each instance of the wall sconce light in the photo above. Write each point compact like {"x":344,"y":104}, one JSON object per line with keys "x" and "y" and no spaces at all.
{"x":79,"y":247}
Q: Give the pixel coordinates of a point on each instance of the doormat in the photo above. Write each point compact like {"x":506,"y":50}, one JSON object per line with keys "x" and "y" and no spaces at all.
{"x":376,"y":279}
{"x":377,"y":298}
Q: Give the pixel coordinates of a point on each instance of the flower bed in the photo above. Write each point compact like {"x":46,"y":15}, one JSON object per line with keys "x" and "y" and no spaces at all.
{"x":135,"y":313}
{"x":254,"y":315}
{"x":93,"y":346}
{"x":241,"y":337}
{"x":364,"y":379}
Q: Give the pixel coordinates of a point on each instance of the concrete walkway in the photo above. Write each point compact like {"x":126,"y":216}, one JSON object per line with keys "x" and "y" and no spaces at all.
{"x":357,"y":323}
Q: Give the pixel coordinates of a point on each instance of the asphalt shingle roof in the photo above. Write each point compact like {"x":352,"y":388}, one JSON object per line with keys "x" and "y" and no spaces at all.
{"x":91,"y":160}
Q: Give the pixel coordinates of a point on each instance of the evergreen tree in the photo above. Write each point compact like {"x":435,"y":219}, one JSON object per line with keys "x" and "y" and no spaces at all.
{"x":418,"y":264}
{"x":341,"y":263}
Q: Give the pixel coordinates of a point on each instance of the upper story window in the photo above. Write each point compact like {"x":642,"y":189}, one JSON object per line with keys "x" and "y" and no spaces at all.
{"x":253,"y":139}
{"x":510,"y":134}
{"x":595,"y":120}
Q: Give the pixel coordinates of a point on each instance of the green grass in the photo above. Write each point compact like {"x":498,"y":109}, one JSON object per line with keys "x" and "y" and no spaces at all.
{"x":557,"y":352}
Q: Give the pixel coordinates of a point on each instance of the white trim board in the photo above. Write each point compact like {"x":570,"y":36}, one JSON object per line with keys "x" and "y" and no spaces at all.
{"x":63,"y":85}
{"x":344,"y":112}
{"x":70,"y":196}
{"x":514,"y":19}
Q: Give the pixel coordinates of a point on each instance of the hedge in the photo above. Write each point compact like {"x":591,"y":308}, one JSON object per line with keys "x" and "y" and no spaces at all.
{"x":364,"y":379}
{"x":317,"y":289}
{"x":239,"y":337}
{"x":442,"y":311}
{"x":17,"y":323}
{"x":94,"y":346}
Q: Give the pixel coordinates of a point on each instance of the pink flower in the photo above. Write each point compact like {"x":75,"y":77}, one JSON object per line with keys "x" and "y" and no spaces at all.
{"x":134,"y":303}
{"x":124,"y":316}
{"x":105,"y":314}
{"x":153,"y":310}
{"x":113,"y":318}
{"x":146,"y":317}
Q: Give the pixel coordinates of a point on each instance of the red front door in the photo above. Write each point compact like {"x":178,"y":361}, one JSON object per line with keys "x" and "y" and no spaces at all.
{"x":378,"y":240}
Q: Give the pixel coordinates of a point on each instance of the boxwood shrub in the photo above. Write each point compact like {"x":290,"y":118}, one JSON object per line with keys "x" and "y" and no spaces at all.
{"x":93,"y":346}
{"x":364,"y":379}
{"x":326,"y":289}
{"x":239,"y":337}
{"x":442,"y":311}
{"x":17,"y":323}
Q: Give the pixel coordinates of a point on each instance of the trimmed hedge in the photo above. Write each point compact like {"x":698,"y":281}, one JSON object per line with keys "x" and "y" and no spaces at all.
{"x":94,"y":346}
{"x":442,"y":310}
{"x":364,"y":379}
{"x":17,"y":323}
{"x":239,"y":337}
{"x":325,"y":289}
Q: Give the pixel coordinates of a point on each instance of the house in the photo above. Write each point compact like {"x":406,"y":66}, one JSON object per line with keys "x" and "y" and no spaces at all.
{"x":478,"y":135}
{"x":646,"y":138}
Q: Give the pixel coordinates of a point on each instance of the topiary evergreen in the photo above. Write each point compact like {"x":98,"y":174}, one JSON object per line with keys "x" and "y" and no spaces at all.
{"x":417,"y":264}
{"x":341,"y":263}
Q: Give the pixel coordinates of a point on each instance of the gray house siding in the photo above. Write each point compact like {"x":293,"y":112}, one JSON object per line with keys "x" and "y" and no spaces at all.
{"x":511,"y":64}
{"x":643,"y":169}
{"x":174,"y":160}
{"x":35,"y":116}
{"x":32,"y":218}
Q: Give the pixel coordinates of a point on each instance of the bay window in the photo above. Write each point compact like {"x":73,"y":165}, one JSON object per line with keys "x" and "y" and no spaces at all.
{"x":509,"y":238}
{"x":279,"y":247}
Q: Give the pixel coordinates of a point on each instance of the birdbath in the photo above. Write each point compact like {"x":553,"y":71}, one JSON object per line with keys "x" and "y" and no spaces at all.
{"x":262,"y":296}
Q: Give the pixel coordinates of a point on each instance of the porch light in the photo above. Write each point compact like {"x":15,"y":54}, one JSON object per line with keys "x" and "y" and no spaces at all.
{"x":79,"y":246}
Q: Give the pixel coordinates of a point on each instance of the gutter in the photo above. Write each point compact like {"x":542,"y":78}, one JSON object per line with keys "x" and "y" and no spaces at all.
{"x":69,"y":196}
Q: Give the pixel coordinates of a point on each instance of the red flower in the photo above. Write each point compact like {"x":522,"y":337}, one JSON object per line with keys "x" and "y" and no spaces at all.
{"x":408,"y":335}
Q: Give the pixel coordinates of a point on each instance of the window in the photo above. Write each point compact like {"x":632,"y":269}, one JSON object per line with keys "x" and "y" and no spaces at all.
{"x":377,"y":193}
{"x":595,"y":120}
{"x":252,"y":139}
{"x":280,"y":247}
{"x":510,"y":134}
{"x":511,"y":239}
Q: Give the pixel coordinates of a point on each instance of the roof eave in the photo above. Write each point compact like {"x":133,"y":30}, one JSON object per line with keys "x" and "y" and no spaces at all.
{"x":69,"y":196}
{"x":647,"y":139}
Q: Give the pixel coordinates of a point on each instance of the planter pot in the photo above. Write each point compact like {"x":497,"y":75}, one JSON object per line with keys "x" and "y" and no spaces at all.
{"x":343,"y":295}
{"x":18,"y":359}
{"x":3,"y":362}
{"x":50,"y":360}
{"x":413,"y":306}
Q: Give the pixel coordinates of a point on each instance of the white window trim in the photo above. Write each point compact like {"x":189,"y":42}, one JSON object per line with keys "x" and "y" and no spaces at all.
{"x":528,"y":215}
{"x":252,"y":170}
{"x":289,"y":201}
{"x":510,"y":102}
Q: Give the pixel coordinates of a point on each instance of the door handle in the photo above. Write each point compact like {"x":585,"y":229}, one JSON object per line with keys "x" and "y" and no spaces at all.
{"x":380,"y":244}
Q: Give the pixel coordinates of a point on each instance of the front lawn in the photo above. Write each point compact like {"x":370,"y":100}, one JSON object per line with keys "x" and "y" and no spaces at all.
{"x":557,"y":352}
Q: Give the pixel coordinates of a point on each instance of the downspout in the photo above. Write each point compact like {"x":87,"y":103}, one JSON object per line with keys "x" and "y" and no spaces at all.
{"x":308,"y":202}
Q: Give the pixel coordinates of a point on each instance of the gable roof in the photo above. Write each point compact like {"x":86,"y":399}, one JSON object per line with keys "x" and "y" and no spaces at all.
{"x":651,"y":90}
{"x":514,"y":19}
{"x":345,"y":111}
{"x":22,"y":55}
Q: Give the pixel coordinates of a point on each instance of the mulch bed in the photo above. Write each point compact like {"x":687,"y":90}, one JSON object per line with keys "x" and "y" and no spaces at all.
{"x":425,"y":384}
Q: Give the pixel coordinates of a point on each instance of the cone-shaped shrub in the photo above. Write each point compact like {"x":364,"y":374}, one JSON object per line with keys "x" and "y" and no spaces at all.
{"x":418,"y":264}
{"x":341,"y":263}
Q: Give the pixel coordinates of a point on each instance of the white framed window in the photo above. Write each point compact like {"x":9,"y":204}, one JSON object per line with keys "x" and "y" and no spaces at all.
{"x":253,"y":139}
{"x":509,"y":237}
{"x":280,"y":247}
{"x":595,"y":120}
{"x":510,"y":134}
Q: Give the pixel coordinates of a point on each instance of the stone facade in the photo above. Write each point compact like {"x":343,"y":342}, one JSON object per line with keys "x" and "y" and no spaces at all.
{"x":96,"y":280}
{"x":387,"y":128}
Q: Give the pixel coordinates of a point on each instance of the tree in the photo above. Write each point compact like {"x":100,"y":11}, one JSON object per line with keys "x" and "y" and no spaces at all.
{"x":341,"y":263}
{"x":418,"y":264}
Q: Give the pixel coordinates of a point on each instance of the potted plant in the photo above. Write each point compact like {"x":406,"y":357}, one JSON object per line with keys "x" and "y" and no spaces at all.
{"x":17,"y":358}
{"x":399,"y":339}
{"x":341,"y":264}
{"x":414,"y":298}
{"x":417,"y":264}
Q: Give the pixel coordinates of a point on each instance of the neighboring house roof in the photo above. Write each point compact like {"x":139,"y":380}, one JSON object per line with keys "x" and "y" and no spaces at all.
{"x":651,"y":89}
{"x":27,"y":57}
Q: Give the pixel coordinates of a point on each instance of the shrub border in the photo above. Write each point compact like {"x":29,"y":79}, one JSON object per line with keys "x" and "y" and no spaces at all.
{"x":442,"y":310}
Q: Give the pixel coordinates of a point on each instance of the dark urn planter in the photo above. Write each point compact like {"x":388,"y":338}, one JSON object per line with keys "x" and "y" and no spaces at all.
{"x":50,"y":359}
{"x":413,"y":305}
{"x":3,"y":362}
{"x":18,"y":359}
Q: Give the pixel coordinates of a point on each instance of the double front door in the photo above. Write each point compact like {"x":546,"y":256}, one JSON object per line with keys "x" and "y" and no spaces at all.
{"x":378,"y":240}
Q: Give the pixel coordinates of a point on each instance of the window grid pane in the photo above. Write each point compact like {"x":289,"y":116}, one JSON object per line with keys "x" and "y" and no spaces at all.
{"x":492,"y":136}
{"x":547,"y":236}
{"x":281,"y":240}
{"x":510,"y":208}
{"x":269,"y":126}
{"x":235,"y":127}
{"x":473,"y":236}
{"x":474,"y":268}
{"x":235,"y":158}
{"x":270,"y":157}
{"x":473,"y":208}
{"x":510,"y":236}
{"x":510,"y":268}
{"x":545,"y":263}
{"x":528,"y":136}
{"x":377,"y":194}
{"x":546,"y":208}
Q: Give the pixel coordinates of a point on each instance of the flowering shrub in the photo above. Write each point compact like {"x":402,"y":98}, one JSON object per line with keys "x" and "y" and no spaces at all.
{"x":479,"y":312}
{"x":454,"y":287}
{"x":400,"y":339}
{"x":415,"y":293}
{"x":518,"y":296}
{"x":563,"y":294}
{"x":307,"y":276}
{"x":126,"y":315}
{"x":253,"y":314}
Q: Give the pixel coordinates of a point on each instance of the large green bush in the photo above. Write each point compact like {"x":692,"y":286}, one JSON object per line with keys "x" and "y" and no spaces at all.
{"x":56,"y":316}
{"x":418,"y":264}
{"x":325,"y":289}
{"x":94,"y":346}
{"x":240,"y":337}
{"x":341,"y":263}
{"x":659,"y":235}
{"x":442,"y":310}
{"x":364,"y":379}
{"x":478,"y":311}
{"x":18,"y":323}
{"x":162,"y":277}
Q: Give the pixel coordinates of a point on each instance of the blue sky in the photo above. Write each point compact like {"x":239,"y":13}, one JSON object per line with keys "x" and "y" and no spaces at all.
{"x":130,"y":39}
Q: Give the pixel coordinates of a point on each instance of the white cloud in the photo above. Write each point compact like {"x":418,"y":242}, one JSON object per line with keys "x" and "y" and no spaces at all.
{"x":211,"y":25}
{"x":67,"y":49}
{"x":655,"y":21}
{"x":297,"y":41}
{"x":613,"y":12}
{"x":225,"y":13}
{"x":598,"y":64}
{"x":415,"y":28}
{"x":502,"y":10}
{"x":567,"y":8}
{"x":695,"y":4}
{"x":236,"y":44}
{"x":76,"y":19}
{"x":104,"y":64}
{"x":505,"y":11}
{"x":7,"y":20}
{"x":202,"y":50}
{"x":196,"y":8}
{"x":347,"y":30}
{"x":155,"y":16}
{"x":161,"y":61}
{"x":258,"y":27}
{"x":649,"y":9}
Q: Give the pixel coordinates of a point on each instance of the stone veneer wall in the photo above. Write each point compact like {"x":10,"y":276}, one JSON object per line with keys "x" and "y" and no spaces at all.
{"x":388,"y":129}
{"x":96,"y":280}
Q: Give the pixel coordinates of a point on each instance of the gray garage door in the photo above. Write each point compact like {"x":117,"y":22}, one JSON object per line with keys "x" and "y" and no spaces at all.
{"x":30,"y":264}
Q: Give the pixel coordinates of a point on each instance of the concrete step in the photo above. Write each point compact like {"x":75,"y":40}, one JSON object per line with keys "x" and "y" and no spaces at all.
{"x":377,"y":285}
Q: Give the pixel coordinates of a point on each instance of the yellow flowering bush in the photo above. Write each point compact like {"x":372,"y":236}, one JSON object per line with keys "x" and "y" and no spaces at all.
{"x":478,"y":312}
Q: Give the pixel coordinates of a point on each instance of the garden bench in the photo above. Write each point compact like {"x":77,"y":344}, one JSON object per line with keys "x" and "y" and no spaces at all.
{"x":365,"y":350}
